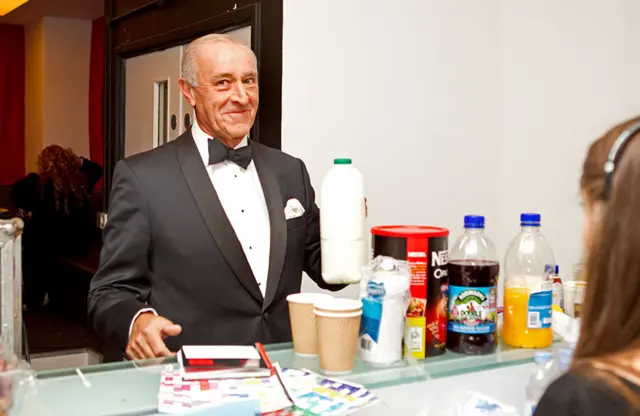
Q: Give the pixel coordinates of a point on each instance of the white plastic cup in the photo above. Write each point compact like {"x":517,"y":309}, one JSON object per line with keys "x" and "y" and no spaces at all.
{"x":573,"y":291}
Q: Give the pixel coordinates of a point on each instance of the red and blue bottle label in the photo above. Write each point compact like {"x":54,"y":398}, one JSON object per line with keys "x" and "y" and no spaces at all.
{"x":472,"y":310}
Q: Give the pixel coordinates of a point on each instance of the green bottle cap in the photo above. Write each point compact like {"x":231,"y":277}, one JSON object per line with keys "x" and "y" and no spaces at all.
{"x":341,"y":161}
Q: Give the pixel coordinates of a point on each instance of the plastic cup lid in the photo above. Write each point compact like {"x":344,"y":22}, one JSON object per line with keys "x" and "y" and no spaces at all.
{"x":337,"y":304}
{"x":309,"y":298}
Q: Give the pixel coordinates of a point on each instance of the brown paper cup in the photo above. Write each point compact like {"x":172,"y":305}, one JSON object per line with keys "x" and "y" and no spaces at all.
{"x":337,"y":340}
{"x":303,"y":322}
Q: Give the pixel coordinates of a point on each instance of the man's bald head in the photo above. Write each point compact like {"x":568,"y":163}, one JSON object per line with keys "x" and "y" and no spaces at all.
{"x":220,"y":81}
{"x":196,"y":48}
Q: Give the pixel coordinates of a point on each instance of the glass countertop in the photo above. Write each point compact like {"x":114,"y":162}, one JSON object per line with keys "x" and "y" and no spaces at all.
{"x":131,"y":388}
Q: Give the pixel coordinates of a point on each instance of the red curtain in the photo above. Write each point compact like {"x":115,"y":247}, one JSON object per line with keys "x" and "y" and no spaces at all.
{"x":12,"y":79}
{"x":96,"y":93}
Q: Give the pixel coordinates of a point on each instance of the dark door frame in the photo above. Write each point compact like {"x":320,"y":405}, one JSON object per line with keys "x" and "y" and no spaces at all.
{"x":136,"y":27}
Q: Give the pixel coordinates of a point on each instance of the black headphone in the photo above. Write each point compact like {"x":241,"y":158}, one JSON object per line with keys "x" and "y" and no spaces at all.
{"x":614,"y":156}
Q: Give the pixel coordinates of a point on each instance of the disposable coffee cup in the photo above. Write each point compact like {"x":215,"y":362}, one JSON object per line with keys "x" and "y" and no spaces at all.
{"x":338,"y":326}
{"x":303,"y":322}
{"x":573,"y":291}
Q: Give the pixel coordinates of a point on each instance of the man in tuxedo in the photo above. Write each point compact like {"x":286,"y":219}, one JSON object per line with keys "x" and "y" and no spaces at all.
{"x":198,"y":248}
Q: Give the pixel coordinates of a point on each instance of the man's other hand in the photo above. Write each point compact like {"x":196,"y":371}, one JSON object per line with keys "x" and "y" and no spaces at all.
{"x":147,"y":337}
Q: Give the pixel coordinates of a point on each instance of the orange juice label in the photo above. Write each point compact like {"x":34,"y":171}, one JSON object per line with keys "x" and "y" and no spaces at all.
{"x":539,"y":313}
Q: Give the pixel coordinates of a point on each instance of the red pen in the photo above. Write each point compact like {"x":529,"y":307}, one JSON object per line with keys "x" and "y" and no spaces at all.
{"x":273,"y":369}
{"x":265,"y":358}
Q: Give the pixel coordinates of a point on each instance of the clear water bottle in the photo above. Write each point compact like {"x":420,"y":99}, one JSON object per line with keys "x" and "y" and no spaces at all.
{"x":565,"y":357}
{"x":473,"y":279}
{"x":542,"y":375}
{"x":528,"y":287}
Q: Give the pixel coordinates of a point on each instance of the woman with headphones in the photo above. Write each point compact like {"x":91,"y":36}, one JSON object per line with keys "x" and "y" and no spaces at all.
{"x":605,"y":376}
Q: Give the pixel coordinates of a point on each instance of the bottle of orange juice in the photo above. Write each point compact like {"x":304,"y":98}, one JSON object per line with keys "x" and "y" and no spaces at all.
{"x":528,"y":287}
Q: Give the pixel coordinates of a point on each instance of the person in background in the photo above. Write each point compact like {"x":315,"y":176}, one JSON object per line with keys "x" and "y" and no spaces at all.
{"x":55,"y":204}
{"x":605,"y":376}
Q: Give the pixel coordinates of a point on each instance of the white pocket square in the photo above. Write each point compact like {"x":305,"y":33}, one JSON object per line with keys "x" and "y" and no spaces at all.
{"x":293,"y":209}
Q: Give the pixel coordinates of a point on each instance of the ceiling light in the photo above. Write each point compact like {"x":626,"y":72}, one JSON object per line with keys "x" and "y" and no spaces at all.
{"x":7,"y":6}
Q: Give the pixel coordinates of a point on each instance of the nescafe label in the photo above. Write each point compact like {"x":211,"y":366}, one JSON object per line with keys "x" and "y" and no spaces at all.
{"x":438,"y":295}
{"x":428,"y":258}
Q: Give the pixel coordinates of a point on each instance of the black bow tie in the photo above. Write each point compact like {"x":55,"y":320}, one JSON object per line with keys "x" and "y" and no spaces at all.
{"x":218,"y":153}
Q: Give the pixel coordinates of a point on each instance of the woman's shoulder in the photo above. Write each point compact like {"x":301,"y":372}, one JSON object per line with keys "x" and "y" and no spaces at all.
{"x":31,"y":178}
{"x":577,"y":393}
{"x":26,"y":191}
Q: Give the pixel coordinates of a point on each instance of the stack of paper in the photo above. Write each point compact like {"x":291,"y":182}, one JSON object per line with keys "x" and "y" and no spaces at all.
{"x":176,"y":393}
{"x":312,"y":394}
{"x":215,"y":362}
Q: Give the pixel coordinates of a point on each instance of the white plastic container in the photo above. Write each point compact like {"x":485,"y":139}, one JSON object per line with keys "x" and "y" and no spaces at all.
{"x":385,"y":295}
{"x":543,"y":374}
{"x":343,"y":233}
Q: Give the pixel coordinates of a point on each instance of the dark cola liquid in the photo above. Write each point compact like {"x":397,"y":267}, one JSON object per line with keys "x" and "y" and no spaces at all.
{"x":472,"y":311}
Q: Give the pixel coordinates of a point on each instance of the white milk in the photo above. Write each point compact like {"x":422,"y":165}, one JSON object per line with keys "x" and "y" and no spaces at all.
{"x":342,"y":224}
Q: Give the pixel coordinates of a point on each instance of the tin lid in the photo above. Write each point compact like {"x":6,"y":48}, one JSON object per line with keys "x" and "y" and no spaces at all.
{"x":409,"y":230}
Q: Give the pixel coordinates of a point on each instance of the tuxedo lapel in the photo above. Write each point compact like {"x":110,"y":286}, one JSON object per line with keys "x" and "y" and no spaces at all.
{"x":213,"y":213}
{"x":277,"y":221}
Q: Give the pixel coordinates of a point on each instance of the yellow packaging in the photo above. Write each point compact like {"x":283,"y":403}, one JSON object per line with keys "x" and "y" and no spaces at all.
{"x":417,"y":332}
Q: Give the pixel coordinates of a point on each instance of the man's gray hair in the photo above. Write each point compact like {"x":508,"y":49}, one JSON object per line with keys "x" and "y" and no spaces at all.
{"x":189,"y":64}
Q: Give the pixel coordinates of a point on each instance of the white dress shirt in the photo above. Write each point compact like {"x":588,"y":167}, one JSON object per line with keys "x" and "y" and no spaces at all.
{"x":242,"y":198}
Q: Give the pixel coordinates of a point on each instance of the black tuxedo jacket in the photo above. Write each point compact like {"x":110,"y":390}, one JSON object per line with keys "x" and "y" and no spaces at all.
{"x":169,"y":245}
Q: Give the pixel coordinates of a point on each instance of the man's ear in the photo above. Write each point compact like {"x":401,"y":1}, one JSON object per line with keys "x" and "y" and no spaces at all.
{"x":187,"y":91}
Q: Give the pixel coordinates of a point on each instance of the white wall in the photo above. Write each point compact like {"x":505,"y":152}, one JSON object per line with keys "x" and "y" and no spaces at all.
{"x":67,"y":51}
{"x":458,"y":107}
{"x":57,"y":86}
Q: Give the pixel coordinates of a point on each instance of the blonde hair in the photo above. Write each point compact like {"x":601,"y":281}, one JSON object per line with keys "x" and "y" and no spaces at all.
{"x":189,"y":64}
